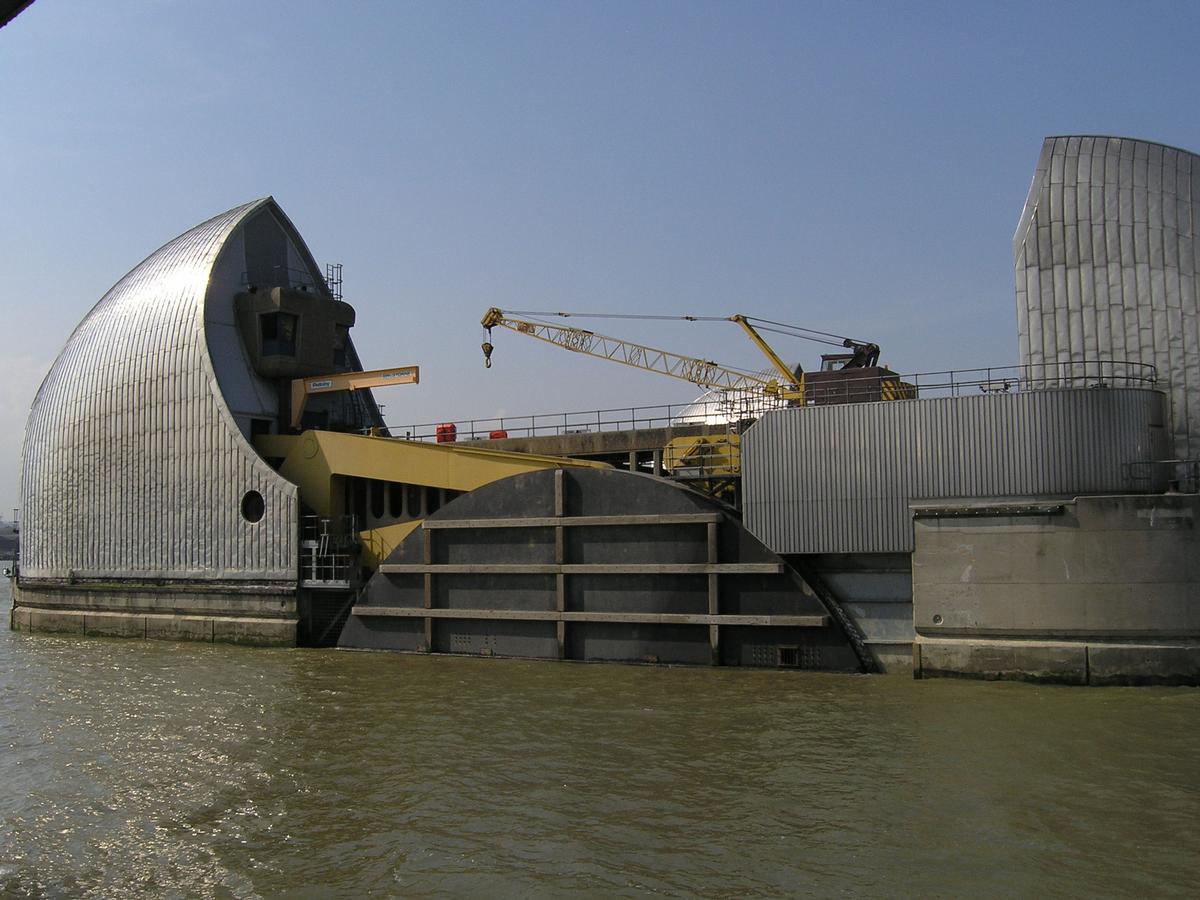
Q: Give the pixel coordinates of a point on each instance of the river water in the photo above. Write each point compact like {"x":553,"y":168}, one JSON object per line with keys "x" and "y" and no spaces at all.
{"x":180,"y":770}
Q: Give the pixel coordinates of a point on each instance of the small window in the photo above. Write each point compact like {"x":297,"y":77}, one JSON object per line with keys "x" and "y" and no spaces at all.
{"x":253,"y":506}
{"x":278,"y":334}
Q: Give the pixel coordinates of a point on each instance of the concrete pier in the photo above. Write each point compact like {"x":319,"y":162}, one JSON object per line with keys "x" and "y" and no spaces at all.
{"x":1092,"y":590}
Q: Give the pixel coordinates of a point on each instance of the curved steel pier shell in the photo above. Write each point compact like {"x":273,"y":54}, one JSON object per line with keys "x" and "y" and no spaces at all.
{"x":137,"y":460}
{"x":1105,"y":255}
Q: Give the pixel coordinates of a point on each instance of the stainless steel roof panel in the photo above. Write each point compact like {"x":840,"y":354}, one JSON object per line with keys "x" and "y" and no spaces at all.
{"x":134,"y":466}
{"x":839,"y":479}
{"x":1144,"y":305}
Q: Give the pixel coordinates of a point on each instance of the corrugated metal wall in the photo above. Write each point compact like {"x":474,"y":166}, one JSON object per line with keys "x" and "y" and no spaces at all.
{"x":838,"y":479}
{"x":133,"y":465}
{"x":1106,"y":257}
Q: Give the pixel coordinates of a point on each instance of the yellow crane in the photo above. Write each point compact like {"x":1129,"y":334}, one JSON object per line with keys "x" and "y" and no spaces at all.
{"x":789,"y":385}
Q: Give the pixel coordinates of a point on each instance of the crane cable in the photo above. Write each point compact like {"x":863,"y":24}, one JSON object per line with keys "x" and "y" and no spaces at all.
{"x":533,"y":316}
{"x":783,"y":328}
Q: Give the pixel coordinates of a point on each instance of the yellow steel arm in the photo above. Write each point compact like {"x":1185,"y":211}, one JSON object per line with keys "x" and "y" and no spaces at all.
{"x":348,"y":381}
{"x":796,"y":381}
{"x":314,"y":458}
{"x":703,"y":372}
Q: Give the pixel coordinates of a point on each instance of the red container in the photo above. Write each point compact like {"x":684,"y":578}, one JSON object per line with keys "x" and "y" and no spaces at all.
{"x":498,"y":435}
{"x":447,"y":433}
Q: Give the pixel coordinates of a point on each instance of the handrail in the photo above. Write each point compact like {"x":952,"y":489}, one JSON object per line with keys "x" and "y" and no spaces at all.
{"x":718,"y":408}
{"x":1036,"y":377}
{"x":627,"y":418}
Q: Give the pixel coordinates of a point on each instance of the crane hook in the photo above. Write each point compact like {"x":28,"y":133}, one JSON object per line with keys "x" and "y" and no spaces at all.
{"x":487,"y":354}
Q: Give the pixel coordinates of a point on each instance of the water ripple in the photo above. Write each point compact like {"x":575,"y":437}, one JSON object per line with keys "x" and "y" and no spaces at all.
{"x":133,"y":769}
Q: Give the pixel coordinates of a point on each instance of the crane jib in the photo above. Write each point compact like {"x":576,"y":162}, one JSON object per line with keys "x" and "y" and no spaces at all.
{"x":787,"y":383}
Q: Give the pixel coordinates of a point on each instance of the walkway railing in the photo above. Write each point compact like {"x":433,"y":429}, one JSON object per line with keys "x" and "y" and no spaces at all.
{"x":722,"y":409}
{"x":627,"y":418}
{"x":327,"y":557}
{"x":1034,"y":377}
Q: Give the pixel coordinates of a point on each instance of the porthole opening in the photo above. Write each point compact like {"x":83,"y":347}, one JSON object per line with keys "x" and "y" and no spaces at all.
{"x":253,"y":506}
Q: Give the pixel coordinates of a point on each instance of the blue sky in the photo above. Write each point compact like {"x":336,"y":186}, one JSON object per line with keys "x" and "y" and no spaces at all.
{"x":851,"y":167}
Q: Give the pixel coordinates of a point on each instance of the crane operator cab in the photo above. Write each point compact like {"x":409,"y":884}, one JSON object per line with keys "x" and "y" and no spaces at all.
{"x":855,"y":377}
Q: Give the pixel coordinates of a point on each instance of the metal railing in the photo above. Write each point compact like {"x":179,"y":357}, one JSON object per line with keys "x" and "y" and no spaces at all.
{"x":738,"y":405}
{"x":1034,"y":377}
{"x":327,"y":551}
{"x":331,"y":570}
{"x":629,"y":418}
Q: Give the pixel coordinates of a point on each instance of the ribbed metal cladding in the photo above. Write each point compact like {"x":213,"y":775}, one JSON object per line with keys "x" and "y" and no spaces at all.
{"x":133,"y":464}
{"x":1105,"y":255}
{"x":839,"y":479}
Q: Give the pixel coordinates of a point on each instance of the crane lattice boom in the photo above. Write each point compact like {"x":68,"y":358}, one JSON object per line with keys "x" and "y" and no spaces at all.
{"x":702,"y":372}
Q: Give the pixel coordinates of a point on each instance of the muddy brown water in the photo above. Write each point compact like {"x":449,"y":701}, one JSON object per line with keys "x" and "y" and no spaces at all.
{"x":150,"y":769}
